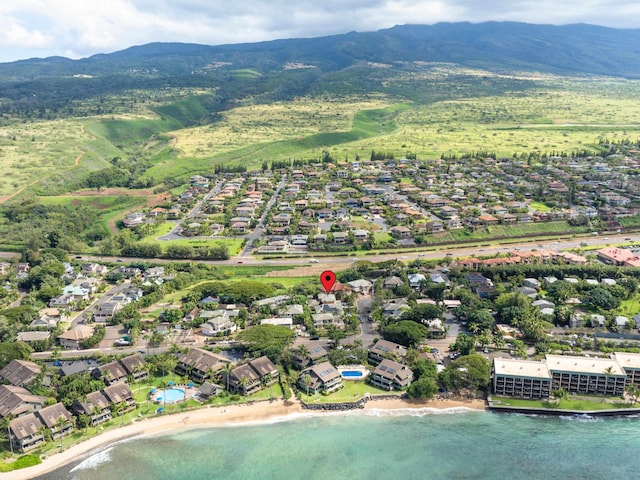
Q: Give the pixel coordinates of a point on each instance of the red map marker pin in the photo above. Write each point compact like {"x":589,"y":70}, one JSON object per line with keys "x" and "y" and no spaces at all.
{"x":328,"y":279}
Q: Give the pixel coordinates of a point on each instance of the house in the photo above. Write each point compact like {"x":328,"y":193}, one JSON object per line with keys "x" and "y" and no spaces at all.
{"x":361,"y":286}
{"x":26,"y":433}
{"x":57,"y":419}
{"x":390,"y":375}
{"x":392,"y":282}
{"x":323,"y":377}
{"x":105,"y":311}
{"x":110,"y":373}
{"x":316,"y":354}
{"x":30,"y":337}
{"x":250,"y":377}
{"x":95,"y":405}
{"x":436,"y":328}
{"x":199,"y":364}
{"x":395,"y":307}
{"x":219,"y":322}
{"x":416,"y":280}
{"x":400,"y":232}
{"x":385,"y":349}
{"x":73,"y":338}
{"x":18,"y":401}
{"x":135,"y":366}
{"x":597,"y":321}
{"x":208,"y":390}
{"x":20,"y":373}
{"x":48,"y":318}
{"x":120,"y":394}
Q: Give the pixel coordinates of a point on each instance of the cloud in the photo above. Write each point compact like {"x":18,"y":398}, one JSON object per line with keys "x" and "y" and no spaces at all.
{"x":79,"y":28}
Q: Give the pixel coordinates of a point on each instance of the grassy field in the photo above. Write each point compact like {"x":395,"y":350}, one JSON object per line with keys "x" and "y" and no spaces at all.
{"x":351,"y":392}
{"x":570,"y":403}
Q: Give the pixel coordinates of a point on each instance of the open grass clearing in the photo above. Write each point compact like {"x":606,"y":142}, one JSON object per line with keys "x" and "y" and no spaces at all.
{"x":572,"y":402}
{"x":351,"y":392}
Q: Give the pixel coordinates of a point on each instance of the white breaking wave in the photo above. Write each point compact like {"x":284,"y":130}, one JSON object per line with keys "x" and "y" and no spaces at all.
{"x":415,"y":412}
{"x":94,"y":461}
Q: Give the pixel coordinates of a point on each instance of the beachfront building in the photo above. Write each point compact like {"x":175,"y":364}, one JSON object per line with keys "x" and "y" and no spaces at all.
{"x":315,"y":355}
{"x":26,"y":433}
{"x":390,"y":375}
{"x":385,"y":349}
{"x":521,"y":378}
{"x":110,"y":373}
{"x":586,"y":375}
{"x":200,"y":365}
{"x":578,"y":375}
{"x":251,"y":377}
{"x":57,"y":419}
{"x":630,"y":363}
{"x":323,"y":377}
{"x":95,"y":406}
{"x":120,"y":395}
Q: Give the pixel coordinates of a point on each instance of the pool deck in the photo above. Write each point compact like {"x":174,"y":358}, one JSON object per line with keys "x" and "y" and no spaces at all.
{"x":189,"y":392}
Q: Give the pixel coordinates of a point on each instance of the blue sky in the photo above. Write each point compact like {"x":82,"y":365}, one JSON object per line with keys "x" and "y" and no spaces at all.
{"x":80,"y":28}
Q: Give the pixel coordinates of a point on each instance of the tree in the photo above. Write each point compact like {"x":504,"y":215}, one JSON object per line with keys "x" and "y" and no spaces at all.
{"x":468,"y":372}
{"x":633,"y":391}
{"x":423,"y":388}
{"x":464,"y":343}
{"x":306,"y":381}
{"x":600,"y":297}
{"x":226,"y":371}
{"x":269,"y":340}
{"x":303,"y":353}
{"x":405,"y":333}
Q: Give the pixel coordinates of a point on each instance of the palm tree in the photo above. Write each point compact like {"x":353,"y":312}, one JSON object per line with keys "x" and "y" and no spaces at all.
{"x":303,"y":354}
{"x":306,"y":380}
{"x":244,"y":381}
{"x":266,"y":380}
{"x":226,"y":371}
{"x":634,"y":393}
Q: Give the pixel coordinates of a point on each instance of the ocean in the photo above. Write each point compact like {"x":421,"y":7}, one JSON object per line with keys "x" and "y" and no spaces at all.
{"x":371,"y":445}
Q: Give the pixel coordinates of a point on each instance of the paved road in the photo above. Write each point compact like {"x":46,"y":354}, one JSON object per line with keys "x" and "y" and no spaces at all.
{"x":429,"y":253}
{"x":257,"y":232}
{"x":173,"y":235}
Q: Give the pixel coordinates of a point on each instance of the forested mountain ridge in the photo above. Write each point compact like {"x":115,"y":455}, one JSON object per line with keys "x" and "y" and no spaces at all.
{"x":577,"y":48}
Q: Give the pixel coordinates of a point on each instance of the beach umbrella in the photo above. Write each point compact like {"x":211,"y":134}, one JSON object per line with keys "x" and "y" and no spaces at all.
{"x":171,"y":384}
{"x":191,"y":384}
{"x":158,"y":399}
{"x":153,"y":390}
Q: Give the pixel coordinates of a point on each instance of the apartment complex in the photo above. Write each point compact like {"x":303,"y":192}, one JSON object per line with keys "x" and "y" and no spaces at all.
{"x":583,"y":375}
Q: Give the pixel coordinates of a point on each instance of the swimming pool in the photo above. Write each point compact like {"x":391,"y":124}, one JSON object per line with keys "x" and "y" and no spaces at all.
{"x":353,"y":372}
{"x":171,"y":395}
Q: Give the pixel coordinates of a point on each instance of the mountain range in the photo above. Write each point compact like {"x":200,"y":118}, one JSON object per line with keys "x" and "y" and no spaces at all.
{"x":494,"y":46}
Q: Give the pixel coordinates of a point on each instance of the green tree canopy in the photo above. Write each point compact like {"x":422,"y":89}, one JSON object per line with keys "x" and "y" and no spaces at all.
{"x":468,"y":372}
{"x":405,"y":333}
{"x":269,"y":340}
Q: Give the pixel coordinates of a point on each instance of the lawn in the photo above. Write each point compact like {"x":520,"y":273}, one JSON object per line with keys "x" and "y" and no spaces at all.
{"x":572,"y":402}
{"x":539,"y":206}
{"x":351,"y":392}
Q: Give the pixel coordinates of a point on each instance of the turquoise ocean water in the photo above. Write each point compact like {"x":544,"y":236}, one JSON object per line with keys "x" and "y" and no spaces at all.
{"x":411,"y":444}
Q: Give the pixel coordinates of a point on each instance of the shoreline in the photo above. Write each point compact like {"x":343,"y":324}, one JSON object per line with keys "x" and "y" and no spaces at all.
{"x":231,"y":415}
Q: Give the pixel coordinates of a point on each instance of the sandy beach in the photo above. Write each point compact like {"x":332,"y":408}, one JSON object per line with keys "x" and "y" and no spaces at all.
{"x":214,"y":417}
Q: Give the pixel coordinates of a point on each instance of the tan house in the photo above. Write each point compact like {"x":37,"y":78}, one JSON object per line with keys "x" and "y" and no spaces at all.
{"x":73,"y":338}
